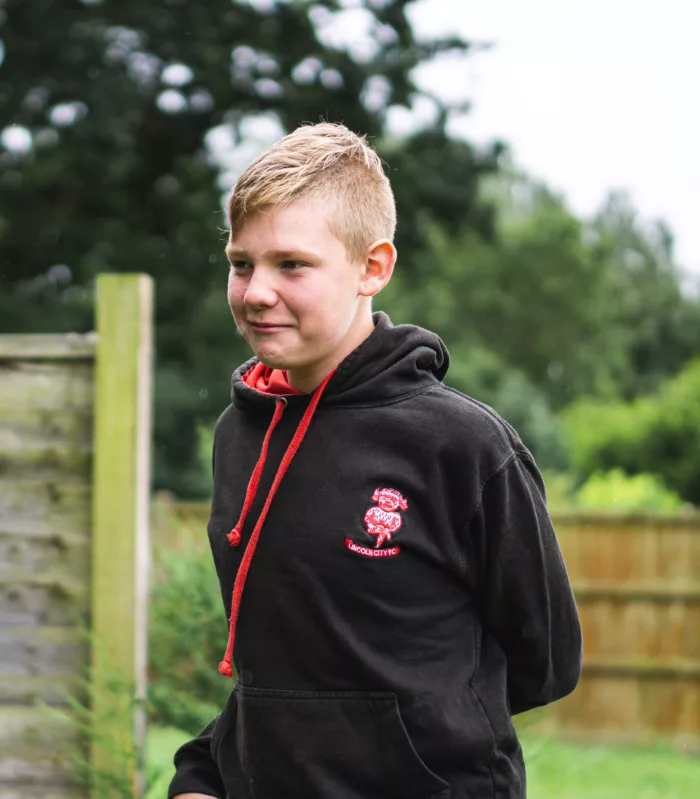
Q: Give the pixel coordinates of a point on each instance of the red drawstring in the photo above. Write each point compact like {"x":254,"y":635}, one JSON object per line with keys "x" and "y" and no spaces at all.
{"x":235,"y":535}
{"x":226,"y":665}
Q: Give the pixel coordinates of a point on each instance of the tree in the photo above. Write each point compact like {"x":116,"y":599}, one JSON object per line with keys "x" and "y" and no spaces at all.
{"x":105,"y":113}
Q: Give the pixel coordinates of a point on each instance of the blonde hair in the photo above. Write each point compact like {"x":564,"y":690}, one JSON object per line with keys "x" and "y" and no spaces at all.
{"x":326,"y":161}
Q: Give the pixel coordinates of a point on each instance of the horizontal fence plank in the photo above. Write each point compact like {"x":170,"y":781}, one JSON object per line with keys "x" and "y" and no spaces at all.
{"x":37,"y":426}
{"x":56,"y":459}
{"x":26,"y":561}
{"x":626,"y":708}
{"x":642,"y":669}
{"x":43,"y":650}
{"x":638,"y":591}
{"x":662,"y":552}
{"x":41,"y":791}
{"x":36,"y":744}
{"x":55,"y":603}
{"x":44,"y":386}
{"x":616,"y":521}
{"x":48,"y":346}
{"x":31,"y":689}
{"x":640,"y":629}
{"x":57,"y":506}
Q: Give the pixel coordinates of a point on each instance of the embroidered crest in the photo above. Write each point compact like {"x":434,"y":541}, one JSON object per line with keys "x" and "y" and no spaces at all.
{"x":382,"y":520}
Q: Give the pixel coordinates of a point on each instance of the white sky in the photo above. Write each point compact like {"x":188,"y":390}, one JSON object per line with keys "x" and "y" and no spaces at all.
{"x":591,"y":95}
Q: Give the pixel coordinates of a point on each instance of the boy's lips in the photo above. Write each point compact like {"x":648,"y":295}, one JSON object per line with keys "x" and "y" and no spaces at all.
{"x":267,"y":327}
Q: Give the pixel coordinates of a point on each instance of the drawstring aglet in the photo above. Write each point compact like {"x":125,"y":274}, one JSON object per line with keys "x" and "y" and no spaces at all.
{"x":234,"y":536}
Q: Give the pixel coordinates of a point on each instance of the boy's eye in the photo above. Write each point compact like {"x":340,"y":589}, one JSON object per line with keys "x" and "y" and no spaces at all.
{"x":239,"y":265}
{"x":291,"y":265}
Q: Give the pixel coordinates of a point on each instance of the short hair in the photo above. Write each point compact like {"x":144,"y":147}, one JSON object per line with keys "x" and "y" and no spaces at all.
{"x":326,"y":161}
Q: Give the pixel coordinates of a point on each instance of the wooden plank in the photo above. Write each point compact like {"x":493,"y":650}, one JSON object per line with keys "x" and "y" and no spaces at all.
{"x":120,"y":551}
{"x":29,"y":386}
{"x":52,"y":601}
{"x":35,"y":750}
{"x":617,"y":521}
{"x":642,"y":668}
{"x":637,"y":591}
{"x":47,"y":346}
{"x":39,"y":427}
{"x":31,"y":689}
{"x":36,"y":562}
{"x":52,"y":459}
{"x":43,"y":650}
{"x":51,"y":509}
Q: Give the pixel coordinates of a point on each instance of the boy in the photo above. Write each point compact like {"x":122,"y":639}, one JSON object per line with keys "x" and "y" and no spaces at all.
{"x":393,"y":583}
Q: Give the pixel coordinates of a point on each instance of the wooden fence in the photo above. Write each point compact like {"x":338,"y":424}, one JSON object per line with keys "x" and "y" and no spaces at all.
{"x":74,"y":478}
{"x":637,"y":585}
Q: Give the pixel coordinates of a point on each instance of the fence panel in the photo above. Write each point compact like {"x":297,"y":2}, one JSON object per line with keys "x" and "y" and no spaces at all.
{"x":637,"y":585}
{"x":49,"y":537}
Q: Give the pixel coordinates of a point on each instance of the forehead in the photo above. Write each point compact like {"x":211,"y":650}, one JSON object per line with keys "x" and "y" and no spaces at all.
{"x":301,"y":224}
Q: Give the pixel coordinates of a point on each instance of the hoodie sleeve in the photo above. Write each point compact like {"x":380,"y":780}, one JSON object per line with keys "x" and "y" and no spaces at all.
{"x":195,"y":768}
{"x":522,"y":586}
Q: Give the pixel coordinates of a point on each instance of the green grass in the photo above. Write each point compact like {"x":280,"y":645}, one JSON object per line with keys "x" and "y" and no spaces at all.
{"x":576,"y":771}
{"x":555,"y":770}
{"x":160,"y":748}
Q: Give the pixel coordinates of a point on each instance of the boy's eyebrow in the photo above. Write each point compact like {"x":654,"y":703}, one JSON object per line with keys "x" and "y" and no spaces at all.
{"x":234,"y":254}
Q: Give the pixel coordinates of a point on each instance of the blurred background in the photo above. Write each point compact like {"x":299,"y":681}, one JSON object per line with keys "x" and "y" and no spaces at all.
{"x":543,"y":156}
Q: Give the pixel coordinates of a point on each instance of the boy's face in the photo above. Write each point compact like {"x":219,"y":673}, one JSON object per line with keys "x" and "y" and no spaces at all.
{"x":295,"y":295}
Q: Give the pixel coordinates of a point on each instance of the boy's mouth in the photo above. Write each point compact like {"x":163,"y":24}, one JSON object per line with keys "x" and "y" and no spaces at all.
{"x":266,"y":327}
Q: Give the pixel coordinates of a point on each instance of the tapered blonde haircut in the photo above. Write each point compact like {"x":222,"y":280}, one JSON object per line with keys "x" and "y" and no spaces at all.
{"x":327,"y":162}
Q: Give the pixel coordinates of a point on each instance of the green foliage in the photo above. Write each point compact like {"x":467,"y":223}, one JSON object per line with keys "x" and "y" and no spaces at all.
{"x":484,"y":376}
{"x":615,"y":489}
{"x":658,"y":434}
{"x":106,"y":729}
{"x":188,"y":634}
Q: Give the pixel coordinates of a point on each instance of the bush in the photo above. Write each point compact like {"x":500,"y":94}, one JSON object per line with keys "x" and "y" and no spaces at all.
{"x":187,"y":639}
{"x":658,"y":434}
{"x":613,"y":490}
{"x":617,"y":490}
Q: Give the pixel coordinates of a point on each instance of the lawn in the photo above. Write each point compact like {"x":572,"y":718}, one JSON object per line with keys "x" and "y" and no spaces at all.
{"x":556,"y":770}
{"x":575,"y":771}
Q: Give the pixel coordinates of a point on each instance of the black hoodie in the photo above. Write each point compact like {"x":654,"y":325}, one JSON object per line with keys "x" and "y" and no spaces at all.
{"x":407,"y":595}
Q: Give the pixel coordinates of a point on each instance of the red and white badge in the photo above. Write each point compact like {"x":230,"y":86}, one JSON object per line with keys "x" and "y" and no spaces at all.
{"x":382,"y":521}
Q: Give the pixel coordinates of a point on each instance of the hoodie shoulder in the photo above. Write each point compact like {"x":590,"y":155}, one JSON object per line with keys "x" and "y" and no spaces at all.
{"x":476,"y":428}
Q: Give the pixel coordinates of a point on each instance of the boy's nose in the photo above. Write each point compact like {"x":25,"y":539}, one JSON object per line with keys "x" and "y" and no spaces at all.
{"x":260,"y":291}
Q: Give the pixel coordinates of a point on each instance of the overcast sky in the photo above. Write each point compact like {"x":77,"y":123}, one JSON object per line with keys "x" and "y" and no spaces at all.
{"x":592,"y":95}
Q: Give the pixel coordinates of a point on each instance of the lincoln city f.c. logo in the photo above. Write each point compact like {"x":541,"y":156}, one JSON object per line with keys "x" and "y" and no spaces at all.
{"x":381,"y":520}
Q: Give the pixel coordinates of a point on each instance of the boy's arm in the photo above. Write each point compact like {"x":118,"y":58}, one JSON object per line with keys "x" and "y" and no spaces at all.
{"x":522,"y":587}
{"x":196,"y":771}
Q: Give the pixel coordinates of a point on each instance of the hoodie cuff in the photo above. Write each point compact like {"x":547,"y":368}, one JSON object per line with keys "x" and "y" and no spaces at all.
{"x":196,"y":778}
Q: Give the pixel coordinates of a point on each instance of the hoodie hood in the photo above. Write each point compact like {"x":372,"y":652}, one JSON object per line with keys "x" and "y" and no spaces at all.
{"x":392,"y":362}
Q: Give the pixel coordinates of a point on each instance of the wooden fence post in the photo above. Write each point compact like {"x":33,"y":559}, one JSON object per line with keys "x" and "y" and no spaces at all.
{"x":120,"y":547}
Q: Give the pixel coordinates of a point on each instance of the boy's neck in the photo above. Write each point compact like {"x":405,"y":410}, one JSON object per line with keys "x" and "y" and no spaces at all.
{"x":308,"y":379}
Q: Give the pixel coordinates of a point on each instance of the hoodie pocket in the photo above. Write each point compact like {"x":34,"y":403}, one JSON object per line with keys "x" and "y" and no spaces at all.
{"x":318,"y":745}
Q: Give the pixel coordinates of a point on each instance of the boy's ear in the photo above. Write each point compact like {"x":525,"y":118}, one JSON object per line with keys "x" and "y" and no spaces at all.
{"x":377,"y":268}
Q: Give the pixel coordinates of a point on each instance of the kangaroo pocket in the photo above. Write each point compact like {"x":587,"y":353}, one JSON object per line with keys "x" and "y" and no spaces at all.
{"x":321,"y":745}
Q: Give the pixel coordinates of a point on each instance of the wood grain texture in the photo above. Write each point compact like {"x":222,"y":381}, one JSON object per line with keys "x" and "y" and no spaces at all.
{"x":121,"y":482}
{"x":637,"y":584}
{"x":36,"y":746}
{"x":48,"y":346}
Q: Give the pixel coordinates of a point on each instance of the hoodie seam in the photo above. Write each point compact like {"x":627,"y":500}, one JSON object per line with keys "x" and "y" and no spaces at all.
{"x":376,"y":403}
{"x":498,"y":471}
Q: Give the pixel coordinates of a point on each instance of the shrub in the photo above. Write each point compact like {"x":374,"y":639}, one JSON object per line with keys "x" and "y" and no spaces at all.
{"x":658,"y":434}
{"x":187,"y":639}
{"x":617,"y":490}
